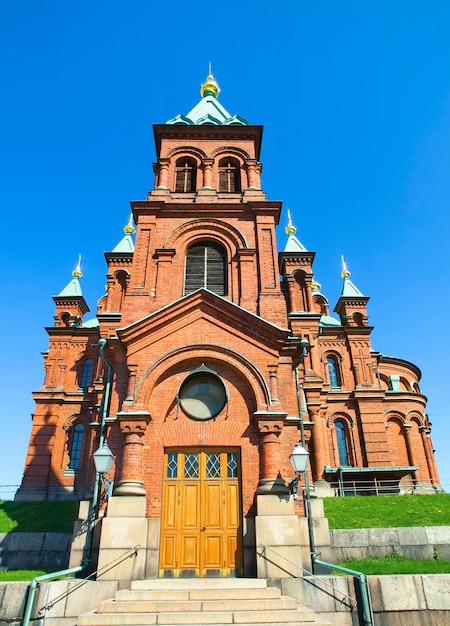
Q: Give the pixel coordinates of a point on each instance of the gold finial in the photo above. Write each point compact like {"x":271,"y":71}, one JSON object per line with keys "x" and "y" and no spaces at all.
{"x":129,"y":228}
{"x":315,"y":286}
{"x":290,"y":228}
{"x":210,"y":86}
{"x":345,"y":273}
{"x":77,"y":273}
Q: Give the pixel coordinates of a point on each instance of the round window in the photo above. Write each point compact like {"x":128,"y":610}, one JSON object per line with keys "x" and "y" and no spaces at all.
{"x":202,"y":395}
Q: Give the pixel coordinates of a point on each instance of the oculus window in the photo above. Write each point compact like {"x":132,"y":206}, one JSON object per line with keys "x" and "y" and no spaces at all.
{"x":202,"y":396}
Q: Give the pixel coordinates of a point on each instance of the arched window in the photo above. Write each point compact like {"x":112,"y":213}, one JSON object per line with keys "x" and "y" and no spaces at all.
{"x":86,"y":374}
{"x":333,"y":372}
{"x":75,"y":447}
{"x":185,"y":175}
{"x":341,"y":440}
{"x":206,"y":268}
{"x":229,"y":175}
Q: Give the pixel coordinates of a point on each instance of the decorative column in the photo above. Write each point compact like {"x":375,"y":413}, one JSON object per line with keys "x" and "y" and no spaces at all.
{"x":133,"y":427}
{"x":426,"y":442}
{"x":207,"y":173}
{"x":252,"y":177}
{"x":163,"y":173}
{"x":270,"y":425}
{"x":291,"y":284}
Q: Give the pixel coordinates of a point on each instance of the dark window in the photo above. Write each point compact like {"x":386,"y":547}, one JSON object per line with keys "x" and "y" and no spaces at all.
{"x":86,"y":374}
{"x":229,"y":175}
{"x":185,"y":175}
{"x":333,"y":375}
{"x":341,"y":443}
{"x":205,"y":268}
{"x":75,"y":448}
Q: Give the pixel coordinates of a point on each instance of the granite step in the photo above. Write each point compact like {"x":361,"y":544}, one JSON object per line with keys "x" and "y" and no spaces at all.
{"x":200,"y":602}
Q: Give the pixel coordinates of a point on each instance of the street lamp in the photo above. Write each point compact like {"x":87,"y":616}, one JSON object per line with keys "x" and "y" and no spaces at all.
{"x":299,"y":460}
{"x":103,"y":459}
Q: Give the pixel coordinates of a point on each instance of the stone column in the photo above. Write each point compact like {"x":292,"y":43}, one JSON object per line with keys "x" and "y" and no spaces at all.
{"x":207,"y":173}
{"x":163,"y":173}
{"x":290,"y":280}
{"x":270,"y":425}
{"x":426,"y":442}
{"x":133,"y":427}
{"x":252,"y":177}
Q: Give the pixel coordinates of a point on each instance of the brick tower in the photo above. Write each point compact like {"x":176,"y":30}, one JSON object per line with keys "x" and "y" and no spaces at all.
{"x":201,"y":369}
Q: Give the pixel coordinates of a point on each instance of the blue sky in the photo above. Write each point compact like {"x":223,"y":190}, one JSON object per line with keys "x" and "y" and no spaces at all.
{"x":355,"y":102}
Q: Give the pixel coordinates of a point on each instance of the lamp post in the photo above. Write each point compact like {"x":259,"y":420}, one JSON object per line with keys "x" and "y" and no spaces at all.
{"x":299,"y":461}
{"x":300,"y":455}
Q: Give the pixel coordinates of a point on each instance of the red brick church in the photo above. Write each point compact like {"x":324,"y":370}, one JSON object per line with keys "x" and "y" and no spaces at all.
{"x":210,"y":355}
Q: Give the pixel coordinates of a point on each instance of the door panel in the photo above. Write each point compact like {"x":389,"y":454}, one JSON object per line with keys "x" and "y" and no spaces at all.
{"x":201,"y":520}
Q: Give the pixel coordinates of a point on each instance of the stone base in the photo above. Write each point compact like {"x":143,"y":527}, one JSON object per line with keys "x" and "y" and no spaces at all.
{"x":130,"y":488}
{"x":272,"y":486}
{"x":123,"y":541}
{"x":277,"y":530}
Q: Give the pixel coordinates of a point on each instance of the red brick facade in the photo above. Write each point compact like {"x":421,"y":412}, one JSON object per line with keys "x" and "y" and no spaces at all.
{"x":363,"y":413}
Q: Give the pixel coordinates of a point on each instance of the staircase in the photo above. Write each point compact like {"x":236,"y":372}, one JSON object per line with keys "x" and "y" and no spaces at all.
{"x":201,"y":601}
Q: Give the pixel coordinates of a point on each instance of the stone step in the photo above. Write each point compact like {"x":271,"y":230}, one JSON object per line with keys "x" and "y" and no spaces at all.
{"x":196,"y":606}
{"x":300,"y":617}
{"x":199,"y":583}
{"x":127,"y":595}
{"x":201,"y":602}
{"x":142,"y":619}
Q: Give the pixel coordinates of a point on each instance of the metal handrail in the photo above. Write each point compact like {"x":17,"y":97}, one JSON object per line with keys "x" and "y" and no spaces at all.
{"x":322,"y":582}
{"x":366,"y":603}
{"x":65,"y":572}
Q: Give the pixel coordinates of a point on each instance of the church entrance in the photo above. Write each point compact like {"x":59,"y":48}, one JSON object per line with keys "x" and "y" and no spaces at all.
{"x":201,"y":514}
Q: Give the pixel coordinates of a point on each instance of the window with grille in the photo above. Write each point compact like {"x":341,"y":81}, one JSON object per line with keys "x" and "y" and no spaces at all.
{"x":86,"y":374}
{"x":341,"y":440}
{"x":76,"y":446}
{"x":333,"y":374}
{"x":229,"y":175}
{"x":206,"y":268}
{"x":185,"y":175}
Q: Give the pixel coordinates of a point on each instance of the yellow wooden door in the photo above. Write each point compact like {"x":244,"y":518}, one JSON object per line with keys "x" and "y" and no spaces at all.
{"x":201,"y":514}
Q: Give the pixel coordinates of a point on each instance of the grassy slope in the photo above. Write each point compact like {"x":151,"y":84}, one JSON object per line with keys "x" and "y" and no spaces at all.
{"x":387,"y":511}
{"x":32,"y":517}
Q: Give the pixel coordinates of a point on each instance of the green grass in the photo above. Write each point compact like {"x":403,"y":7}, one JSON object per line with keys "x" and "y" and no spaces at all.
{"x":21,"y":574}
{"x":33,"y":517}
{"x":387,"y":511}
{"x":395,"y":564}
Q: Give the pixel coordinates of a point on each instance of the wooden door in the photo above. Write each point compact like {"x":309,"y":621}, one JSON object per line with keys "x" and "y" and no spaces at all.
{"x":201,"y":514}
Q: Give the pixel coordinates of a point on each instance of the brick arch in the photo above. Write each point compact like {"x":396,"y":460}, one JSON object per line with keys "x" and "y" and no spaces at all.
{"x":222,"y":151}
{"x":331,"y":353}
{"x":179,"y":357}
{"x":218,"y":229}
{"x":187,"y":150}
{"x":340,"y":415}
{"x":395,"y":416}
{"x":416,"y":417}
{"x":384,"y":380}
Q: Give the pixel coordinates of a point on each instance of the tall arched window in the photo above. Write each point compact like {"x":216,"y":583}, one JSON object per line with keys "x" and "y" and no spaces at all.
{"x":185,"y":175}
{"x":76,"y":446}
{"x":229,"y":175}
{"x":341,"y":440}
{"x":206,"y":268}
{"x":86,"y":374}
{"x":333,"y":372}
